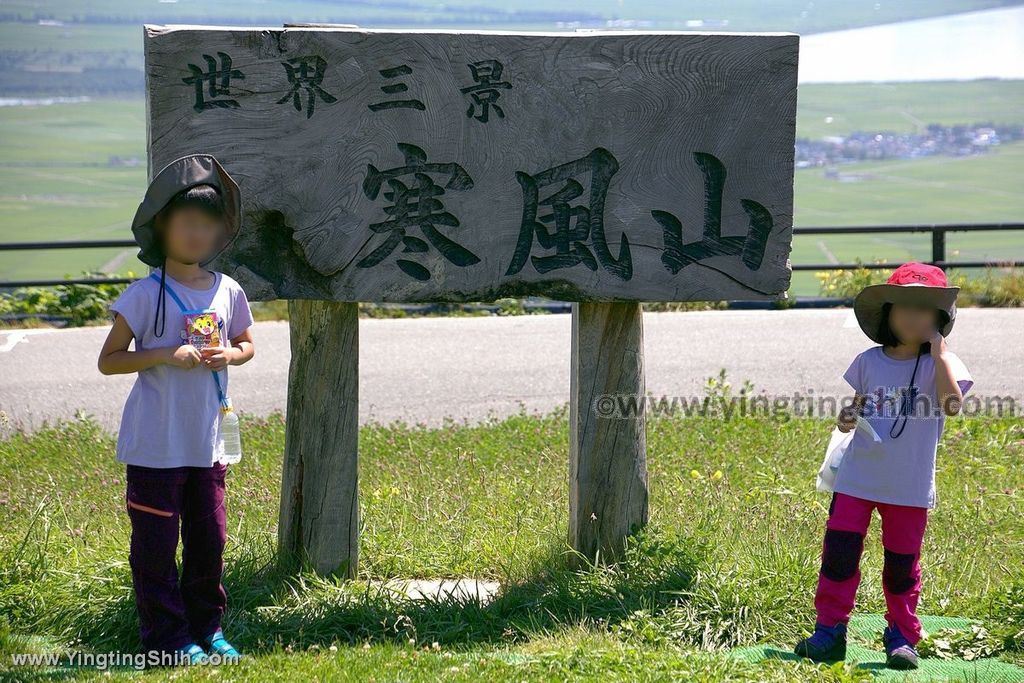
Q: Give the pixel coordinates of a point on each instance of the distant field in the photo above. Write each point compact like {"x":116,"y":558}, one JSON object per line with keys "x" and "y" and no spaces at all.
{"x":905,"y":107}
{"x":95,"y":48}
{"x":742,"y":15}
{"x":55,"y":185}
{"x":54,"y":182}
{"x":978,"y":189}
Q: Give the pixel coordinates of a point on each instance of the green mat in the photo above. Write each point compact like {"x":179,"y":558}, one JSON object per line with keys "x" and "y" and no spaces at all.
{"x":864,"y":647}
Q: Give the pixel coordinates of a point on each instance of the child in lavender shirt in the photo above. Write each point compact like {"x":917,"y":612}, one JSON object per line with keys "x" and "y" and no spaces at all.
{"x":170,"y":438}
{"x":904,"y":388}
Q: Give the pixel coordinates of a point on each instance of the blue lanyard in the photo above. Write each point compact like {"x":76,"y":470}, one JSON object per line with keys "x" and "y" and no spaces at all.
{"x":183,"y":307}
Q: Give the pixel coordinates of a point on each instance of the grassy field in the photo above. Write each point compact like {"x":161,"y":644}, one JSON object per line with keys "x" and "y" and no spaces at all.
{"x":57,"y":184}
{"x":938,"y":189}
{"x":904,"y":107}
{"x":730,"y":557}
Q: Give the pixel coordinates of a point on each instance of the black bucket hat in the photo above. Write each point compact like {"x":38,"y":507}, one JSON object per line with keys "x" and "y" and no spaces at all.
{"x":181,"y":174}
{"x":177,"y":176}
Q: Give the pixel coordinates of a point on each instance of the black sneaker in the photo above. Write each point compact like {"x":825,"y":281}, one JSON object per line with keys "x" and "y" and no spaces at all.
{"x":826,"y":644}
{"x":899,"y":653}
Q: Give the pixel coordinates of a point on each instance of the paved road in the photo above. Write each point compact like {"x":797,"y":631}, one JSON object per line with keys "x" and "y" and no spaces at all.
{"x":421,"y":369}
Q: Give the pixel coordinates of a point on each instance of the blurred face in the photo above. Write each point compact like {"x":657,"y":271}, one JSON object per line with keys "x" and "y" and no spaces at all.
{"x":191,"y":234}
{"x":913,"y":324}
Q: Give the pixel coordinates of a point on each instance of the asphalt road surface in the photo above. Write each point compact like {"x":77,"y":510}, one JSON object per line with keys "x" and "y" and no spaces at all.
{"x":423,"y":369}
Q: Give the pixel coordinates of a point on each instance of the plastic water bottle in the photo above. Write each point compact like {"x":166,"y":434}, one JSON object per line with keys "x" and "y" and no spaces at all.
{"x":230,"y":432}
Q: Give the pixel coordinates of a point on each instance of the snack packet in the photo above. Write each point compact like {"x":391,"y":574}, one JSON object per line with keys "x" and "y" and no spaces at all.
{"x":202,"y":328}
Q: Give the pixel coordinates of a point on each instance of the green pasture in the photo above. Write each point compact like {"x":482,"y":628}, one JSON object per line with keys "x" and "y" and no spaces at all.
{"x":975,"y":189}
{"x":905,"y":107}
{"x":55,"y":181}
{"x":729,"y":560}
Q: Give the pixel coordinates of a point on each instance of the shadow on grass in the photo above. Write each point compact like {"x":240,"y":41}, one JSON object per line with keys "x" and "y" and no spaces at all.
{"x":267,"y":608}
{"x":293,"y":611}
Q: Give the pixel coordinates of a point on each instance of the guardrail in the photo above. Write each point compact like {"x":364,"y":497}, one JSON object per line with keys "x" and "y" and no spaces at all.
{"x":937,"y":230}
{"x":938,"y":233}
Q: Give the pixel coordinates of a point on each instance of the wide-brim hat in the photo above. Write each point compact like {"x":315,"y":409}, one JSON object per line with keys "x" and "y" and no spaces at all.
{"x":914,"y":284}
{"x":181,"y":174}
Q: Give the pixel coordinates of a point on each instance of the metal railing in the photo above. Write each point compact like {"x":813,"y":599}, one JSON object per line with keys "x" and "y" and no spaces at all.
{"x":68,"y":244}
{"x":937,"y":230}
{"x":938,"y":233}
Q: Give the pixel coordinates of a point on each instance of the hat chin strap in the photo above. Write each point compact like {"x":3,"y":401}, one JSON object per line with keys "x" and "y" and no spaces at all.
{"x":161,"y":302}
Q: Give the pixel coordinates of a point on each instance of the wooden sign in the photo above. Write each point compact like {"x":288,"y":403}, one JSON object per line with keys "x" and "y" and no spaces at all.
{"x":383,"y":165}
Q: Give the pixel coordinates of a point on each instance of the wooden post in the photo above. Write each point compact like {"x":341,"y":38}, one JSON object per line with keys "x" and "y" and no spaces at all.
{"x":319,"y":519}
{"x":607,"y":448}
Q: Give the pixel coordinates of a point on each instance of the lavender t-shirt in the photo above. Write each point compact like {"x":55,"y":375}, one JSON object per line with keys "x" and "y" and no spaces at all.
{"x":898,"y":470}
{"x":172,"y":415}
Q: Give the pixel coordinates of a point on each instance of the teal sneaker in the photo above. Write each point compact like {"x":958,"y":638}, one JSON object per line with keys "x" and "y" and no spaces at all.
{"x":195,"y":654}
{"x":221,"y":647}
{"x":826,"y":644}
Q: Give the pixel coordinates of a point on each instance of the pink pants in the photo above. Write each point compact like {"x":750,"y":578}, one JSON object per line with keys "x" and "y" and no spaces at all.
{"x":902,"y":532}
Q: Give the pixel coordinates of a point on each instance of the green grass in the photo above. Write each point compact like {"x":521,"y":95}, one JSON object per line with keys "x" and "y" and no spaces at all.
{"x":727,"y":561}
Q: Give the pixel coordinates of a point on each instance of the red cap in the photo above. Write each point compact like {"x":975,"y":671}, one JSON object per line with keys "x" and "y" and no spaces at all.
{"x":914,"y":273}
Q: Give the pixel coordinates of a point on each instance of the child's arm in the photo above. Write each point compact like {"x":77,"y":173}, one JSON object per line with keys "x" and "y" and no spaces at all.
{"x":847,"y":418}
{"x":946,"y":388}
{"x":116,"y":359}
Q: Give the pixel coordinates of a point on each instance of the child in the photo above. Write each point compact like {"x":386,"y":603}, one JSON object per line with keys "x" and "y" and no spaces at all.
{"x":904,"y":388}
{"x":170,"y":438}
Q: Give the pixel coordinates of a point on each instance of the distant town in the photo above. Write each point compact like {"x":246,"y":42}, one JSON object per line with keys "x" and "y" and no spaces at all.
{"x":956,"y":141}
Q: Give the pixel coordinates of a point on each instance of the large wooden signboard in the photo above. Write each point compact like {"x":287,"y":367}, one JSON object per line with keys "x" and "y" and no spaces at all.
{"x":380,"y":165}
{"x":600,"y":168}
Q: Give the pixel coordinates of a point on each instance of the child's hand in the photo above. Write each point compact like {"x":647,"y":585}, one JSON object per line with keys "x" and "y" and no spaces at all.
{"x":938,"y":344}
{"x":216,"y":357}
{"x":185,"y":356}
{"x":847,"y":419}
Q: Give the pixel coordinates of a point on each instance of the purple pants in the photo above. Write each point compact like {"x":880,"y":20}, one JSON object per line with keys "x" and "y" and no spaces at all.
{"x":157,"y":499}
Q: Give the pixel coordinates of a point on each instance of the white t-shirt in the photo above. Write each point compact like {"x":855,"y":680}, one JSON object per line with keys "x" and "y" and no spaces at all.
{"x":898,"y":470}
{"x":172,"y":415}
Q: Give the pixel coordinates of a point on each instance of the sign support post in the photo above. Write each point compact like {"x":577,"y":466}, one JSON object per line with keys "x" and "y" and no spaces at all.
{"x":607,"y":439}
{"x":319,"y":519}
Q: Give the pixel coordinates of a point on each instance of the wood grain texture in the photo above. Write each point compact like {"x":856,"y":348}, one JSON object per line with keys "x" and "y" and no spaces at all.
{"x":680,"y":145}
{"x":607,"y":446}
{"x":319,"y":516}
